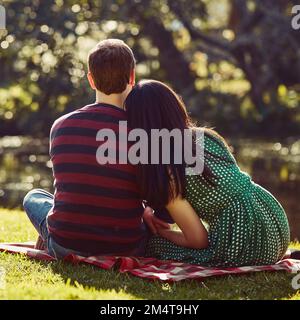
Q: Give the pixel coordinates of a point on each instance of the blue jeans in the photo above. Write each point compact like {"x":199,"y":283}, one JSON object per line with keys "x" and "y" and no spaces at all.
{"x":37,"y":204}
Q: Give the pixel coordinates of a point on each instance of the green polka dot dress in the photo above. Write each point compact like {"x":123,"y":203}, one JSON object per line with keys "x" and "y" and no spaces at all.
{"x":246,"y":224}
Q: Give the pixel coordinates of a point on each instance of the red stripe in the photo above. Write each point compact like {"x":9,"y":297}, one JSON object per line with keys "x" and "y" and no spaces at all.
{"x":89,"y":141}
{"x":74,"y":140}
{"x":88,"y":236}
{"x":81,"y":198}
{"x":64,"y":216}
{"x":90,"y":109}
{"x":103,"y":110}
{"x":96,"y":181}
{"x":86,"y":141}
{"x":82,"y":158}
{"x":91,"y":124}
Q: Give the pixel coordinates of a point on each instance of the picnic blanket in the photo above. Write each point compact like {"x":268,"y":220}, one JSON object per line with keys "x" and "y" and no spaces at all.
{"x":149,"y":267}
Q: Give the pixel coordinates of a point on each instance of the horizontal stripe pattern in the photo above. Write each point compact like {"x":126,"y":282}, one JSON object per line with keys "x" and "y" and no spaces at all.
{"x":98,"y":220}
{"x":103,"y":182}
{"x":95,"y":247}
{"x":97,"y":208}
{"x":96,"y":170}
{"x":90,"y":232}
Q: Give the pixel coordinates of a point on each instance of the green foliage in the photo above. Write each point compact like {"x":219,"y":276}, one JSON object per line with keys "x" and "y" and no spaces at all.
{"x":236,"y":63}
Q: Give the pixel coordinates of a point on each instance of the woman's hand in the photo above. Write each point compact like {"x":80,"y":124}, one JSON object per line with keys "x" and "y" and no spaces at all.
{"x":153,"y":222}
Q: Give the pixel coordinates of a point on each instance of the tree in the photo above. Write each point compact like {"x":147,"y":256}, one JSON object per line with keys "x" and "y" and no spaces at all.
{"x":251,"y":44}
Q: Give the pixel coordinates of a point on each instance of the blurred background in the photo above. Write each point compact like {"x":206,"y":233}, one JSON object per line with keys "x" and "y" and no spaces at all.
{"x":236,"y":64}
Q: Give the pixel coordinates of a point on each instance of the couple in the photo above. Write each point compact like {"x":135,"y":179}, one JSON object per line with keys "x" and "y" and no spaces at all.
{"x":98,"y":209}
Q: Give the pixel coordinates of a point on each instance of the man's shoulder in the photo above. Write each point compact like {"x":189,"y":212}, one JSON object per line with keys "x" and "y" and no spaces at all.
{"x":96,"y":113}
{"x":89,"y":116}
{"x":59,"y":121}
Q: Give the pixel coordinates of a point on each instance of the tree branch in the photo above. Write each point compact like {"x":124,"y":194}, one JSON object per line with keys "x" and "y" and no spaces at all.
{"x":195,"y":33}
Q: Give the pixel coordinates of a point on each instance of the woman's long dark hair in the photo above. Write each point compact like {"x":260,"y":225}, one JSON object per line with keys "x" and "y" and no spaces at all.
{"x":153,"y":105}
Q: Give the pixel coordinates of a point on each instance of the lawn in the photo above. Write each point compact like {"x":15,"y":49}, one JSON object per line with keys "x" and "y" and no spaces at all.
{"x":31,"y":279}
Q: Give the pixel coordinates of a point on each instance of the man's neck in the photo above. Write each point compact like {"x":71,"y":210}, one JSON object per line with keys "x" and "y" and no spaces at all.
{"x":113,"y":99}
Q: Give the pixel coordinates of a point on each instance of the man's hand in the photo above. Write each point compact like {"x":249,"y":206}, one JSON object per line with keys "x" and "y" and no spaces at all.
{"x":153,"y":222}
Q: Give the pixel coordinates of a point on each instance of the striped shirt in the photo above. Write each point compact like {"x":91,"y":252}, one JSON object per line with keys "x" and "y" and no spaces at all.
{"x":97,"y":208}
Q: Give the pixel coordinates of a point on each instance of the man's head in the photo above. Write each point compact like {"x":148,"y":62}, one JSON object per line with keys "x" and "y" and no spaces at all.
{"x":111,"y":67}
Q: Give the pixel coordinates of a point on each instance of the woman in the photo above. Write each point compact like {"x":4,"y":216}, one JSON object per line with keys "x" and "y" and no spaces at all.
{"x":245,"y":224}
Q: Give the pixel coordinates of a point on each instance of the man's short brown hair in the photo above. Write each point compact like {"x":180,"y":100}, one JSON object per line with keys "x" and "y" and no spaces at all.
{"x":111,"y":63}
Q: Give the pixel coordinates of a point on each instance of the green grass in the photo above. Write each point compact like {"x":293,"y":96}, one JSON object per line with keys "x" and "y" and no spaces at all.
{"x":32,"y":279}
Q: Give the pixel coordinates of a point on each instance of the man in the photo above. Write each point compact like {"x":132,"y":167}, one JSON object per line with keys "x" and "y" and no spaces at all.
{"x":96,"y":209}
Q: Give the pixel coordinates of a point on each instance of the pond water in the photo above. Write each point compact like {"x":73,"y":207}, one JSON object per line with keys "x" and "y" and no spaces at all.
{"x":24,"y":164}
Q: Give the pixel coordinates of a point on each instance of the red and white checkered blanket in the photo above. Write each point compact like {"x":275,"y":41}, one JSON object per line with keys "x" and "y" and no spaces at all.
{"x":148,"y":267}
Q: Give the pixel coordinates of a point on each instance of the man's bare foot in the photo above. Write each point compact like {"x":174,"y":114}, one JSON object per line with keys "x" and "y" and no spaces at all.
{"x":40,"y":244}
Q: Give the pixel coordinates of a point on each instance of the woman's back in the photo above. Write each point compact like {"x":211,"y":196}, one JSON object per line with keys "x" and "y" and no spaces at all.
{"x":247,"y":225}
{"x":227,"y":181}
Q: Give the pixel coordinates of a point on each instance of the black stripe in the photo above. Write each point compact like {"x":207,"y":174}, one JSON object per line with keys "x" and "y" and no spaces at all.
{"x":97,"y":170}
{"x":79,"y":131}
{"x":93,"y":247}
{"x":98,"y":210}
{"x":87,"y":150}
{"x":98,"y":117}
{"x":89,"y":189}
{"x":107,"y":105}
{"x":112,"y":231}
{"x":73,"y":148}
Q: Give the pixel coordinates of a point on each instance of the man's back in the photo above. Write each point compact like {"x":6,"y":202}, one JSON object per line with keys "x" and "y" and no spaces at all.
{"x":97,"y":208}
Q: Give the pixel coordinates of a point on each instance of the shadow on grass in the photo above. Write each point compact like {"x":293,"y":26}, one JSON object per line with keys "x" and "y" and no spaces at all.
{"x":260,"y":285}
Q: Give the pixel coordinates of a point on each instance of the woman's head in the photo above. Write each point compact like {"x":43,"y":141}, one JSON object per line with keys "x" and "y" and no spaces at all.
{"x":153,"y":105}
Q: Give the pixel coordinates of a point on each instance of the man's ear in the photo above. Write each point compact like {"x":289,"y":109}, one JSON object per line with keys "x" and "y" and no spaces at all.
{"x":91,"y":80}
{"x":132,"y":77}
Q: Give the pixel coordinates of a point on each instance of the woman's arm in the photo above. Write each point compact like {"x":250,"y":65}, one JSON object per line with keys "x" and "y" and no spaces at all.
{"x":193,"y":233}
